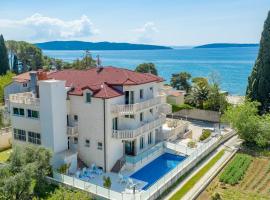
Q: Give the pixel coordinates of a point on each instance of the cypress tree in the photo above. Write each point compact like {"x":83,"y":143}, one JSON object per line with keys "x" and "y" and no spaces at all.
{"x":15,"y":65}
{"x":259,"y":81}
{"x":4,"y":65}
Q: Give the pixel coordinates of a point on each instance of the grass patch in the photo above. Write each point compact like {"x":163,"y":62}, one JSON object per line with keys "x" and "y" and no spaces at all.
{"x":176,"y":108}
{"x":235,"y":171}
{"x":4,"y":155}
{"x":193,"y":180}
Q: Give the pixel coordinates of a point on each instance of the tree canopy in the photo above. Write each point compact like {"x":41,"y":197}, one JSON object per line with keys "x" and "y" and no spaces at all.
{"x":24,"y":174}
{"x":259,"y":81}
{"x":147,"y":68}
{"x":180,"y":81}
{"x":4,"y":65}
{"x":250,"y":126}
{"x":29,"y":55}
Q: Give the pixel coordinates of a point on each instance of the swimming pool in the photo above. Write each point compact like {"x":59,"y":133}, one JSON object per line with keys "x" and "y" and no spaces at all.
{"x":153,"y":171}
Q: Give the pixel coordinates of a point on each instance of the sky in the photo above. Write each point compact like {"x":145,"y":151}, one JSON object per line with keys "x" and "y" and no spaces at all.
{"x":162,"y":22}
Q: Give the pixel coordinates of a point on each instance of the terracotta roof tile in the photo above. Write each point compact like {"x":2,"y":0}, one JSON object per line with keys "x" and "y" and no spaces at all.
{"x":101,"y":80}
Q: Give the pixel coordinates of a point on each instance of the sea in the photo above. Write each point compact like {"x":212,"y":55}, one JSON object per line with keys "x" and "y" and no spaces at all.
{"x":232,"y":66}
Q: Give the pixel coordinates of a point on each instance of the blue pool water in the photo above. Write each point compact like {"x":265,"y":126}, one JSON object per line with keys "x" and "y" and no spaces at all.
{"x":157,"y":168}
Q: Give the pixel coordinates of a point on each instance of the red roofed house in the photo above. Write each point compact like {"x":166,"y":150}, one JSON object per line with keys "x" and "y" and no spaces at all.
{"x":103,"y":115}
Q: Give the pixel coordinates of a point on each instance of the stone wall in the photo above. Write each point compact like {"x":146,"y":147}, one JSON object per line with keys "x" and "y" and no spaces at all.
{"x":197,"y":114}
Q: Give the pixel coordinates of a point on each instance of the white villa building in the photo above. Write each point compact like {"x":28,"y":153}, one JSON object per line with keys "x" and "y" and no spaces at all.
{"x":102,"y":115}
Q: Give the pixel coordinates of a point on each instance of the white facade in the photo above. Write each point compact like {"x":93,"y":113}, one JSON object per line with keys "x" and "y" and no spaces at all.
{"x":101,"y":131}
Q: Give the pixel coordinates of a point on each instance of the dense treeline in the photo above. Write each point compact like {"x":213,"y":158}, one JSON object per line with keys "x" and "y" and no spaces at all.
{"x":259,"y":81}
{"x":24,"y":56}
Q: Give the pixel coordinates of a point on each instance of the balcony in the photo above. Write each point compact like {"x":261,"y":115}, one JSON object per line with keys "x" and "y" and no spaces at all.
{"x":130,"y":134}
{"x":127,"y":109}
{"x":26,"y":98}
{"x":72,"y":131}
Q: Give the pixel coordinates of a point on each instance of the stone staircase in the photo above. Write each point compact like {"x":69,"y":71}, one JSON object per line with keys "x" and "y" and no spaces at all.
{"x":118,"y":165}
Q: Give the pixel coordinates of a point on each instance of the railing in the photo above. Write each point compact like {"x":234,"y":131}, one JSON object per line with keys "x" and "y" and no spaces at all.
{"x":72,"y":130}
{"x":146,"y":155}
{"x":133,"y":108}
{"x":177,"y":126}
{"x":27,"y":98}
{"x":126,"y":134}
{"x":178,"y":148}
{"x":93,"y":188}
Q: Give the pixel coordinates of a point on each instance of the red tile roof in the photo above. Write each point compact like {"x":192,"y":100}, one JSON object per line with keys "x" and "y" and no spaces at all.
{"x":101,"y":80}
{"x":22,"y":78}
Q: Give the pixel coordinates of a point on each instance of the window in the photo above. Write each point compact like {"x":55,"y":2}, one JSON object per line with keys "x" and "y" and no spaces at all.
{"x":19,"y":134}
{"x":115,"y":123}
{"x":18,"y":111}
{"x":99,"y":146}
{"x":24,"y":84}
{"x":75,"y":118}
{"x":75,"y":140}
{"x":141,"y":93}
{"x":151,"y":111}
{"x":141,"y":142}
{"x":32,"y":113}
{"x":141,"y":116}
{"x":34,"y":137}
{"x":129,"y":116}
{"x":87,"y":143}
{"x":151,"y":89}
{"x":88,"y":97}
{"x":150,"y":138}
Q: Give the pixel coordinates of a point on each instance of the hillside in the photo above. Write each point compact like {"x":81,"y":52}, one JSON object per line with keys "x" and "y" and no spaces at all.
{"x":80,"y":45}
{"x":226,"y":45}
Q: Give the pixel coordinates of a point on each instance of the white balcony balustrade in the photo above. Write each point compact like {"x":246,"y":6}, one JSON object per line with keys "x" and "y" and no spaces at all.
{"x":127,"y":109}
{"x":132,"y":133}
{"x":26,"y":98}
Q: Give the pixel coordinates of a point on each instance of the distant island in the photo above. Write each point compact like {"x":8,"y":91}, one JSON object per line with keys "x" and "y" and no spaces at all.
{"x":80,"y":45}
{"x":226,"y":45}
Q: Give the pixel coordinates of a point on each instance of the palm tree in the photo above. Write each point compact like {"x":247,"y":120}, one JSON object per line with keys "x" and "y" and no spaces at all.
{"x":198,"y":95}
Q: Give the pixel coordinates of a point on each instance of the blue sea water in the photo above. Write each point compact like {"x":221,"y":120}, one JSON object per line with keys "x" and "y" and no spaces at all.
{"x":232,"y":64}
{"x":156,"y":169}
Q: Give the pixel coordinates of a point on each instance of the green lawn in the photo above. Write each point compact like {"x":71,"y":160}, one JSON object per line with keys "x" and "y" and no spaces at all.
{"x":4,"y":155}
{"x":193,"y":180}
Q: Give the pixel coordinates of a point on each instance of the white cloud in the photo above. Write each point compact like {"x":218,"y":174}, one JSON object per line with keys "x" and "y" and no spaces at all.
{"x":38,"y":27}
{"x":147,"y":32}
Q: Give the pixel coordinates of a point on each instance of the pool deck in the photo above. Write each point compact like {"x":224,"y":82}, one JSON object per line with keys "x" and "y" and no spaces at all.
{"x":116,"y":185}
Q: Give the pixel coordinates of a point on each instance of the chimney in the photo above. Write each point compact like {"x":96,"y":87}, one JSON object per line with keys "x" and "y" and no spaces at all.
{"x":33,"y":81}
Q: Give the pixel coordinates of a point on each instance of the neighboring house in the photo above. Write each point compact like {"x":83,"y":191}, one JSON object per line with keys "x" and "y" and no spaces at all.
{"x":100,"y":115}
{"x":176,"y":97}
{"x":20,"y":83}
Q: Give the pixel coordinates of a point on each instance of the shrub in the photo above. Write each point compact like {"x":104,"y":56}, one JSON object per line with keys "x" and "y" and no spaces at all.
{"x":205,"y":134}
{"x":63,"y":168}
{"x":191,"y":144}
{"x":235,"y":171}
{"x":176,"y":108}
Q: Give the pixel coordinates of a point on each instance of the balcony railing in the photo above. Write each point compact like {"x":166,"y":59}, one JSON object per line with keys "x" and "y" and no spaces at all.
{"x":72,"y":130}
{"x":128,"y":134}
{"x":126,"y":109}
{"x":26,"y":98}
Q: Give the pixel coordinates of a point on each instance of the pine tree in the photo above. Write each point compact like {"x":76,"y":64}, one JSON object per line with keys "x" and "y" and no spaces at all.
{"x":4,"y":65}
{"x":259,"y":81}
